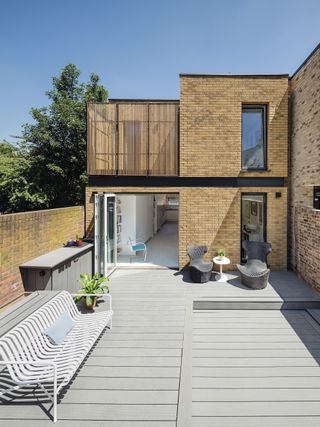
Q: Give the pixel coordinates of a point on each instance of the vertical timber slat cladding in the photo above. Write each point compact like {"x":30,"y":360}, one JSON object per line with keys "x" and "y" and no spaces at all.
{"x":137,"y":138}
{"x":27,"y":235}
{"x":101,"y":145}
{"x":211,"y":216}
{"x":163,"y":141}
{"x":133,"y":134}
{"x":305,"y":169}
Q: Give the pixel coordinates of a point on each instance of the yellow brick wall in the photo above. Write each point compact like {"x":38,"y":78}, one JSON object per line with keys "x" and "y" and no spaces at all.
{"x":210,"y":123}
{"x":211,"y":216}
{"x":27,"y":235}
{"x":304,"y":155}
{"x":305,"y":169}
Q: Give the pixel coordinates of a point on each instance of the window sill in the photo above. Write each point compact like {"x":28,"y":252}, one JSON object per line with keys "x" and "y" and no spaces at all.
{"x":256,"y":170}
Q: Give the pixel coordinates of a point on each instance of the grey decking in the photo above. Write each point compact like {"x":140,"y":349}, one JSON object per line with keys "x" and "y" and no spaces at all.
{"x":163,"y":360}
{"x":255,"y":368}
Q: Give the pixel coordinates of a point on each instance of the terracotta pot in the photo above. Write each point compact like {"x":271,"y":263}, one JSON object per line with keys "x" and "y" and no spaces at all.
{"x":79,"y":242}
{"x":93,"y":305}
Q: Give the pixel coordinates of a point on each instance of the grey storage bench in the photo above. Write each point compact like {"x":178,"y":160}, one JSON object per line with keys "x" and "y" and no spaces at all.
{"x":58,"y":270}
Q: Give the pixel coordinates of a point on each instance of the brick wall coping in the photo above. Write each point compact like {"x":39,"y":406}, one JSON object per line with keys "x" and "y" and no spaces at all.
{"x":245,"y":76}
{"x":43,"y":211}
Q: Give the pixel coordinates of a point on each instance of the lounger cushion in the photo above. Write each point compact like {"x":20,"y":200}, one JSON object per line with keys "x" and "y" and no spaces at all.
{"x":60,"y":329}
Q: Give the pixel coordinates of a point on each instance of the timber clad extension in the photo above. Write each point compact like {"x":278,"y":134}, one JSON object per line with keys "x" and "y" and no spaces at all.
{"x":206,"y":138}
{"x":136,"y":138}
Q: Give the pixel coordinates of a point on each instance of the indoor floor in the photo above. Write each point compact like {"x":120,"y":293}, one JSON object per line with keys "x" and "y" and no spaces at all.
{"x":162,"y":249}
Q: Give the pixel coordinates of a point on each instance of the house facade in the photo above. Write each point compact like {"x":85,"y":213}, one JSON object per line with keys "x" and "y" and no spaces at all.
{"x":222,"y":150}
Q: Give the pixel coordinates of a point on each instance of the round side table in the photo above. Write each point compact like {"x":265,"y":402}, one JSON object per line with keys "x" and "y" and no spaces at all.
{"x":221,"y":261}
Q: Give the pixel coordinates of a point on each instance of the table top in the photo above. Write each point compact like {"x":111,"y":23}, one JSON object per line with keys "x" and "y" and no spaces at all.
{"x":221,"y":260}
{"x":56,"y":257}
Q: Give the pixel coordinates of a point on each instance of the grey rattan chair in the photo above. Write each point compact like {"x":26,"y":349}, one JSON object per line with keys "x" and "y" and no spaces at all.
{"x":255,"y":273}
{"x":200,"y":270}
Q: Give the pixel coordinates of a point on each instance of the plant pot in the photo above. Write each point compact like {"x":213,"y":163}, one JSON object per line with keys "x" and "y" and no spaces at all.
{"x":79,"y":242}
{"x":93,"y":305}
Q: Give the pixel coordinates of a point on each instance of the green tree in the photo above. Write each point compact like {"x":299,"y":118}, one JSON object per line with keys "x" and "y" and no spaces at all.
{"x":16,"y":192}
{"x":56,"y":141}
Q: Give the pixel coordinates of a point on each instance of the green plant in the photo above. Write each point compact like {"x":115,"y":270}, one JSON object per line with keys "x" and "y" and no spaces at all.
{"x":94,"y":285}
{"x":221,"y":252}
{"x":78,"y":237}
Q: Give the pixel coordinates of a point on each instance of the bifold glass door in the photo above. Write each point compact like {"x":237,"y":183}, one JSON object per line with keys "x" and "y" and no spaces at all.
{"x":105,"y":233}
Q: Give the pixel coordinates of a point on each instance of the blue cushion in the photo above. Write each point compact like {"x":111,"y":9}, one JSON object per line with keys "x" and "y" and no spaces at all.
{"x":60,"y":329}
{"x":138,"y":247}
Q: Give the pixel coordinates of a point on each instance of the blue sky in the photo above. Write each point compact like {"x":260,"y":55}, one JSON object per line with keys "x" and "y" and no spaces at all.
{"x":140,"y":47}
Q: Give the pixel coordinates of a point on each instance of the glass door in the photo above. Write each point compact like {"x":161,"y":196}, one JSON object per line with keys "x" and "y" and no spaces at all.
{"x":253,"y":219}
{"x":105,"y":245}
{"x":110,"y":215}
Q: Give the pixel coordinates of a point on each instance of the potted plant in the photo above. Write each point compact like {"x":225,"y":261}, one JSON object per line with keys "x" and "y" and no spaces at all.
{"x":221,"y":253}
{"x":79,"y":240}
{"x":95,"y":285}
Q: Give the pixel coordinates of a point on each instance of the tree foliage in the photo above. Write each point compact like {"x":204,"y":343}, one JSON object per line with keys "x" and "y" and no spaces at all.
{"x":17,"y":193}
{"x":48,"y":168}
{"x":56,"y":142}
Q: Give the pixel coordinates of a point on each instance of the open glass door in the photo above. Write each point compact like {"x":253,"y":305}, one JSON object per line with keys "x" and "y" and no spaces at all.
{"x":104,"y":233}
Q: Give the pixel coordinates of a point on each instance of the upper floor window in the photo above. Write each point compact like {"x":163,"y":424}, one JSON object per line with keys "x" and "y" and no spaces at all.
{"x":254,"y":136}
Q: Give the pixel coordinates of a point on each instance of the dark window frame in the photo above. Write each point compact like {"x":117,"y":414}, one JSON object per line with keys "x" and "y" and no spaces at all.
{"x":316,"y":189}
{"x":264,"y":198}
{"x":264,"y":108}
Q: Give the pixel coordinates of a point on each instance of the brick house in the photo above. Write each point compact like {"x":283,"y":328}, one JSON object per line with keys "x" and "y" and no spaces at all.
{"x":221,"y":152}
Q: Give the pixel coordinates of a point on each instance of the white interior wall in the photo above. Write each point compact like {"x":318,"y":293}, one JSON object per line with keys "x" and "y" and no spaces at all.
{"x":128,"y":227}
{"x":144,"y":216}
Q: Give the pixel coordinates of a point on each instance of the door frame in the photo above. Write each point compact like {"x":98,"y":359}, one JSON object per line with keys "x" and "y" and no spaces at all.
{"x":98,"y":199}
{"x":105,"y":213}
{"x":264,"y":213}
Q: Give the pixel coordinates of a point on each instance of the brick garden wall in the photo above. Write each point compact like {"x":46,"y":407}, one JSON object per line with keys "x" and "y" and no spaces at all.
{"x":211,"y":216}
{"x":307,"y":254}
{"x":26,"y":235}
{"x":304,"y":165}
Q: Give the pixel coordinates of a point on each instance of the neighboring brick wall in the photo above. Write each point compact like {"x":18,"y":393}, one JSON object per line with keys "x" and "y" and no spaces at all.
{"x":26,"y":235}
{"x":307,"y":255}
{"x":210,"y":123}
{"x":211,"y":216}
{"x":304,"y":152}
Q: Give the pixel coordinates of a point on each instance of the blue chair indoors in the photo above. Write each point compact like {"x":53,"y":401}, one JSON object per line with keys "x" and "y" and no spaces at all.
{"x":137,"y":246}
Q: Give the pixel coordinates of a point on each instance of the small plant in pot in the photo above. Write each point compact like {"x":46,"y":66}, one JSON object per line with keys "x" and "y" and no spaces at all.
{"x":91,"y":289}
{"x":79,"y":240}
{"x":221,"y":253}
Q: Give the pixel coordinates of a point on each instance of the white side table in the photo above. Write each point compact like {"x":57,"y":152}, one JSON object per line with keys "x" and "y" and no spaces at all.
{"x":221,"y":261}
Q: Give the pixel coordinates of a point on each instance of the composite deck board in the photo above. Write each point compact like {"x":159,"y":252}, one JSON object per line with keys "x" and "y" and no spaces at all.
{"x":256,"y":421}
{"x":255,"y":353}
{"x":99,"y":412}
{"x":116,"y":384}
{"x":134,"y":361}
{"x":256,"y":395}
{"x":254,"y":362}
{"x":86,"y":423}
